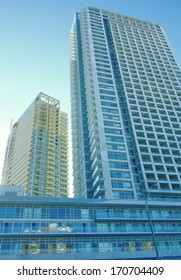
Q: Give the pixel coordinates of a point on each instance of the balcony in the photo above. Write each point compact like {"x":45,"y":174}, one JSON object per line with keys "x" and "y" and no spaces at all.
{"x":96,"y":162}
{"x":93,"y":129}
{"x":92,"y":121}
{"x":95,"y":143}
{"x":93,"y":136}
{"x":98,"y":181}
{"x":96,"y":152}
{"x":100,"y":190}
{"x":98,"y":170}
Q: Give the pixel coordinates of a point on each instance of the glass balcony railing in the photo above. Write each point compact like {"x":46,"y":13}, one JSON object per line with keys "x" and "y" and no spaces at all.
{"x":98,"y":170}
{"x":100,"y":190}
{"x":98,"y":181}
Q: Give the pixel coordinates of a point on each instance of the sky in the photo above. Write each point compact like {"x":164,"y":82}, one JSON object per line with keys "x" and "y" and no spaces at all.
{"x":34,"y":48}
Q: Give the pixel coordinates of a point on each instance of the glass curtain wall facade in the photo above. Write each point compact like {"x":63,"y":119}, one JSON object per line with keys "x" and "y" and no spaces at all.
{"x":126,"y":108}
{"x":60,"y":228}
{"x":37,"y":150}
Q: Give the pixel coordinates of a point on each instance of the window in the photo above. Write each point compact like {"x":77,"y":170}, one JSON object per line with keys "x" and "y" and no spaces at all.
{"x":110,"y":98}
{"x":111,"y":117}
{"x":115,"y":147}
{"x":110,"y":110}
{"x":121,"y":165}
{"x":113,"y":131}
{"x":123,"y":195}
{"x":121,"y":184}
{"x":117,"y":155}
{"x":10,"y":212}
{"x":2,"y":211}
{"x":119,"y":174}
{"x":114,"y":139}
{"x":112,"y":124}
{"x":108,"y":104}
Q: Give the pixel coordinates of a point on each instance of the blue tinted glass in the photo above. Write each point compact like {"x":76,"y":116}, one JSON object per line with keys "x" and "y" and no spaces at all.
{"x":2,"y":211}
{"x":8,"y":227}
{"x":10,"y":212}
{"x":61,"y":213}
{"x":44,"y":212}
{"x":77,"y":213}
{"x":1,"y":227}
{"x":53,"y":212}
{"x":18,"y":212}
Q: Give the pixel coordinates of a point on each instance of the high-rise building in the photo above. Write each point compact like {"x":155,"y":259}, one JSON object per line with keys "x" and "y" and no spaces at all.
{"x":37,"y":150}
{"x":126,"y":108}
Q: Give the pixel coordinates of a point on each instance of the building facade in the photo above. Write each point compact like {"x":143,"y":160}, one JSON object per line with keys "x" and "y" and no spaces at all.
{"x":37,"y":151}
{"x":126,"y":108}
{"x":68,"y":228}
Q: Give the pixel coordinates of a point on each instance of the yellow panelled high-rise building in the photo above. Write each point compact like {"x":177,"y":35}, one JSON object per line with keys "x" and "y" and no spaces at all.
{"x":37,"y":150}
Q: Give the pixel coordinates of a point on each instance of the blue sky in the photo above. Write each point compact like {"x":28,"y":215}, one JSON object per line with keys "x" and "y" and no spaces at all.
{"x":34,"y":48}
